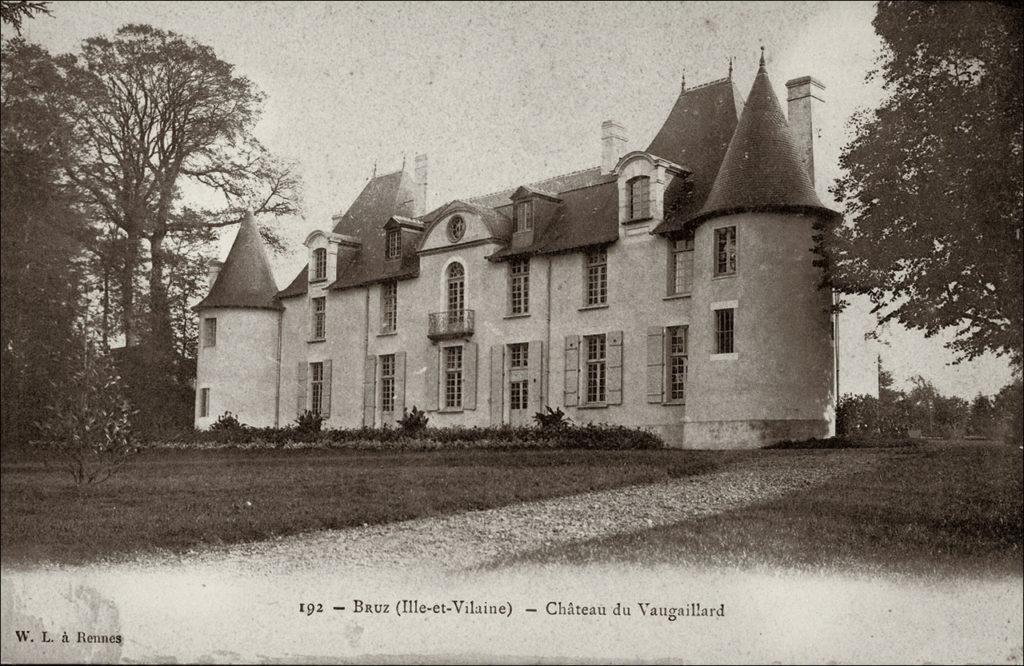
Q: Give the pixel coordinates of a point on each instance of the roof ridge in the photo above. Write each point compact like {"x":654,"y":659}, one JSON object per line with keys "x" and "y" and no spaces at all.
{"x":515,"y":187}
{"x":708,"y":84}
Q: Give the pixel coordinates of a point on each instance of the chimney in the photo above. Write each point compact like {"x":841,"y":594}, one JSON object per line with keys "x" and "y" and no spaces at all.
{"x":422,"y":171}
{"x":805,"y":97}
{"x":212,"y":271}
{"x":613,"y":144}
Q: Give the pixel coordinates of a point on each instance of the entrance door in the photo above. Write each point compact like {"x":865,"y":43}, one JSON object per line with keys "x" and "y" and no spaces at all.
{"x":519,"y":384}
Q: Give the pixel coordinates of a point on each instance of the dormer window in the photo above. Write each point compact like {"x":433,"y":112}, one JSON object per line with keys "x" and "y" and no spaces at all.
{"x":320,"y":264}
{"x":639,"y":197}
{"x":523,"y":216}
{"x":393,"y":249}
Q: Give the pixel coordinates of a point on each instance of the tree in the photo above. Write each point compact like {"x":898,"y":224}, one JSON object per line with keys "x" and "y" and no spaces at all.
{"x":14,"y":12}
{"x":153,"y":109}
{"x":44,"y":233}
{"x":933,"y":189}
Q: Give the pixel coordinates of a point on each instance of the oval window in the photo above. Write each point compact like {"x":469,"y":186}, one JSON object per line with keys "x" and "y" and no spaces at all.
{"x":456,"y":229}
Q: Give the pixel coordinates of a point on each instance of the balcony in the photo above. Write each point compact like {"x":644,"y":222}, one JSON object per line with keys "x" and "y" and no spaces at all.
{"x":450,"y":324}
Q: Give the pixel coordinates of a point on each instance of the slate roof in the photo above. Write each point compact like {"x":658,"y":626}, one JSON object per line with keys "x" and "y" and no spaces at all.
{"x":245,"y":280}
{"x":696,"y":135}
{"x":548,"y":187}
{"x":383,"y":197}
{"x":761,"y":170}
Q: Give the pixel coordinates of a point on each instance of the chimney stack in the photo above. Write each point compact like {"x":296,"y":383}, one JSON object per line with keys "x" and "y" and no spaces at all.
{"x":613,"y":144}
{"x":805,"y":97}
{"x":212,"y":271}
{"x":422,"y":171}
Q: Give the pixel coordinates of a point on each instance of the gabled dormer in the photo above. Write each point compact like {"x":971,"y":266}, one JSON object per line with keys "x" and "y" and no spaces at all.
{"x":401,"y":237}
{"x":642,"y":180}
{"x":324,"y":250}
{"x":532,"y":210}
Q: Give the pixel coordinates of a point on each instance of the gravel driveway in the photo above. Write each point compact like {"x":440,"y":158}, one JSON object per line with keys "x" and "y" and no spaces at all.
{"x":475,"y":538}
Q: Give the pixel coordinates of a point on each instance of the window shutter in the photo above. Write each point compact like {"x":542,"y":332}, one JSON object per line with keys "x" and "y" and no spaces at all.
{"x":469,"y":375}
{"x":655,"y":364}
{"x":300,"y":387}
{"x":497,"y":383}
{"x":572,"y":370}
{"x":536,"y":374}
{"x":430,"y":378}
{"x":325,"y":408}
{"x":399,"y":384}
{"x":614,"y":362}
{"x":369,"y":390}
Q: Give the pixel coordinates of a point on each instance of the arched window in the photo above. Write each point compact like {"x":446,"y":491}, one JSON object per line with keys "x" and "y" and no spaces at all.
{"x":320,"y":264}
{"x":639,"y":197}
{"x":456,"y":288}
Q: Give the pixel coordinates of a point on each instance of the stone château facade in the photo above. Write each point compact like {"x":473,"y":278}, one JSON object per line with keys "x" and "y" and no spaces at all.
{"x":671,"y":288}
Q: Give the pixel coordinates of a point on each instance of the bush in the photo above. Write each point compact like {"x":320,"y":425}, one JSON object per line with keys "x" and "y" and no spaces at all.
{"x":227,"y":421}
{"x":842,"y":442}
{"x":309,"y":423}
{"x":88,"y":428}
{"x":414,"y":421}
{"x":552,"y":420}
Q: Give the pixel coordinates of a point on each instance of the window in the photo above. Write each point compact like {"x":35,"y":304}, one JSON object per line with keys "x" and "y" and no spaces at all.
{"x":320,"y":318}
{"x":523,"y":216}
{"x":677,"y":363}
{"x":681,"y":267}
{"x":210,"y":332}
{"x":518,"y":395}
{"x":725,"y":251}
{"x":316,"y":387}
{"x":456,"y":288}
{"x":320,"y":264}
{"x":393,"y":247}
{"x":639,"y":197}
{"x":204,"y":402}
{"x":387,"y":383}
{"x":389,"y":307}
{"x":456,"y":229}
{"x":518,"y":356}
{"x":597,"y":277}
{"x":725,"y":323}
{"x":453,"y":377}
{"x":596,"y":375}
{"x":519,"y":286}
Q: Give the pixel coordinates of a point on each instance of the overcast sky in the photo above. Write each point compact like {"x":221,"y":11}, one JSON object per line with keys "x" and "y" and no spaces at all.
{"x":502,"y":94}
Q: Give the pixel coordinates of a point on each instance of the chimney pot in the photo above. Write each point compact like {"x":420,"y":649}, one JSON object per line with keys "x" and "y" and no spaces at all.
{"x":422,"y":173}
{"x":804,"y":98}
{"x":613,"y":144}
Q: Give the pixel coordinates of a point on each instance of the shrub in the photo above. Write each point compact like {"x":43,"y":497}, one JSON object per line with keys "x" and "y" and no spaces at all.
{"x":552,"y":420}
{"x":308,"y":423}
{"x":88,"y":428}
{"x":227,"y":421}
{"x":414,"y":421}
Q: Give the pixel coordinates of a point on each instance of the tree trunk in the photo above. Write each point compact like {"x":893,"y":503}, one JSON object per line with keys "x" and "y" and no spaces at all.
{"x":130,"y":260}
{"x":161,"y":333}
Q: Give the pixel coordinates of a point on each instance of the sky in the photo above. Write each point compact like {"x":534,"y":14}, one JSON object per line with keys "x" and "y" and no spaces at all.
{"x":500,"y":94}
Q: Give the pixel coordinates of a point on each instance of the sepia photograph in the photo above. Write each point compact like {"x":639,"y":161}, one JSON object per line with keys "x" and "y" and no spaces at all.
{"x":512,"y":332}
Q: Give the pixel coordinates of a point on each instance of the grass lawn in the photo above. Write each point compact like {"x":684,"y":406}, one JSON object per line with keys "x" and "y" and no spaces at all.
{"x":179,"y":500}
{"x":946,"y":509}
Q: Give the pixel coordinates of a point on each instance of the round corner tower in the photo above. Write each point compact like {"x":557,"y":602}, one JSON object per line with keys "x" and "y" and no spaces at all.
{"x":762,"y":319}
{"x":239,"y":336}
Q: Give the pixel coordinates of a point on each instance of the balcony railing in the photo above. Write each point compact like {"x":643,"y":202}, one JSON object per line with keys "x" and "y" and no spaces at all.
{"x":450,"y":324}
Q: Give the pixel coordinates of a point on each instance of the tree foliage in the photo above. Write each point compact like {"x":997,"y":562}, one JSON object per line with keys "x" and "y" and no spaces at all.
{"x":14,"y":12}
{"x":933,"y":178}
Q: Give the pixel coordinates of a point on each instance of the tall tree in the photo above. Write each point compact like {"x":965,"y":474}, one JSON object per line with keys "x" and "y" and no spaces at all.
{"x":152,"y":110}
{"x":933,"y":178}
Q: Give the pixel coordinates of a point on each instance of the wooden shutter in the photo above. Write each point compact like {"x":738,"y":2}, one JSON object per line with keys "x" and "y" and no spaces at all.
{"x":536,"y":374}
{"x":369,"y":390}
{"x":399,"y":384}
{"x":325,"y":408}
{"x":469,"y":375}
{"x":430,"y":379}
{"x":497,"y":383}
{"x":655,"y":364}
{"x":300,"y":387}
{"x":614,"y":366}
{"x":572,"y":370}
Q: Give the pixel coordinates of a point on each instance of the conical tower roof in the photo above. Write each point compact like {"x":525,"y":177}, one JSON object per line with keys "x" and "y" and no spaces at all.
{"x":246,"y":280}
{"x":761,"y":170}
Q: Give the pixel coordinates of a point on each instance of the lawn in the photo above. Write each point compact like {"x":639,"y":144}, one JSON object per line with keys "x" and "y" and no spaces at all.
{"x":177,"y":500}
{"x":945,"y":509}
